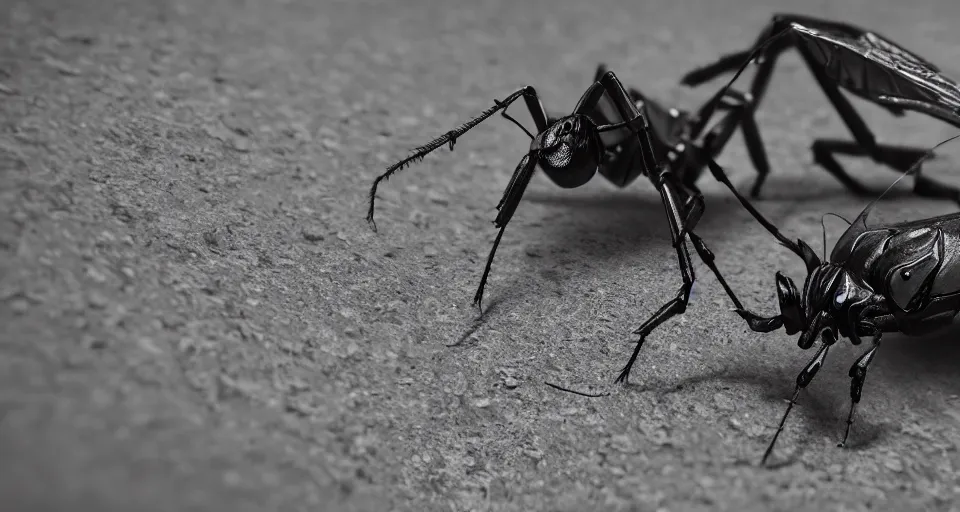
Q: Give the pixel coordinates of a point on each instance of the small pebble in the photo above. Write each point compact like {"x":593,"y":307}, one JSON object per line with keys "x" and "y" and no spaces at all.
{"x":511,"y":383}
{"x":96,"y":343}
{"x":352,"y":348}
{"x":430,"y":251}
{"x":893,"y":464}
{"x":19,"y":306}
{"x":534,"y":454}
{"x":437,"y":198}
{"x":482,"y":403}
{"x":186,"y":345}
{"x":62,"y":67}
{"x":148,"y":345}
{"x":312,"y":234}
{"x":724,"y":401}
{"x":97,"y":300}
{"x":240,"y":144}
{"x":232,"y":478}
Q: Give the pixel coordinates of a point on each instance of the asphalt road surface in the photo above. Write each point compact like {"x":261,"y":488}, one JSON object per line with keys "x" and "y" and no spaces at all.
{"x":196,"y":316}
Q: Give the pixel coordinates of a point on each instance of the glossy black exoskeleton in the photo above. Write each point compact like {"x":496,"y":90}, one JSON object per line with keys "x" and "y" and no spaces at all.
{"x":680,"y":138}
{"x":867,"y":65}
{"x":606,"y":133}
{"x":898,"y":277}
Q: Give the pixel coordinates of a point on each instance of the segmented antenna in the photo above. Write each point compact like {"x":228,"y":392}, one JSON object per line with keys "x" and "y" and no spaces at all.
{"x":447,"y":138}
{"x":824,"y":226}
{"x":862,"y":218}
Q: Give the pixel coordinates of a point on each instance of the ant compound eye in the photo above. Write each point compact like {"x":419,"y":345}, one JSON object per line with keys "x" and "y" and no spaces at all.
{"x":566,"y":127}
{"x":906,"y":275}
{"x":841,"y":296}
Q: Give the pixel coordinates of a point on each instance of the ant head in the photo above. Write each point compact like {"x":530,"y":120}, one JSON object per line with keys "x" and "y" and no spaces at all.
{"x":817,"y":304}
{"x":831,"y":297}
{"x":569,"y":150}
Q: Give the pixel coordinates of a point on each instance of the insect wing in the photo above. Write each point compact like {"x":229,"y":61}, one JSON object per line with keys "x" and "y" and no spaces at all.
{"x":872,"y":66}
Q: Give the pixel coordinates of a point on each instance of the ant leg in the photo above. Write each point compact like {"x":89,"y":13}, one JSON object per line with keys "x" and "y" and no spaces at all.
{"x":678,"y":305}
{"x":896,"y":157}
{"x":663,"y":182}
{"x":694,"y":207}
{"x":675,"y":307}
{"x":507,"y":207}
{"x":602,"y":70}
{"x":823,"y":151}
{"x":800,"y":248}
{"x":709,"y":260}
{"x":858,"y":373}
{"x":742,"y":114}
{"x":803,"y":379}
{"x":529,"y":95}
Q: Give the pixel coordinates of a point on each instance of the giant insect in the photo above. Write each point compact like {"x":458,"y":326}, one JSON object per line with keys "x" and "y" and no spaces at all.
{"x":606,"y":133}
{"x":900,"y":277}
{"x":864,"y":63}
{"x":680,"y":138}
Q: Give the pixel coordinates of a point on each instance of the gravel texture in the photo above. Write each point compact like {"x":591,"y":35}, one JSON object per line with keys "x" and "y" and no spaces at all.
{"x":196,"y":316}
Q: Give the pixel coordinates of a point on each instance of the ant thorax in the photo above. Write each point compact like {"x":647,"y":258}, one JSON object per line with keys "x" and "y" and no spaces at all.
{"x":832,"y":287}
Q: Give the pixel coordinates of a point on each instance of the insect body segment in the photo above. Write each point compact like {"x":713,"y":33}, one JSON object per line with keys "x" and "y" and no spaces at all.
{"x":899,"y":277}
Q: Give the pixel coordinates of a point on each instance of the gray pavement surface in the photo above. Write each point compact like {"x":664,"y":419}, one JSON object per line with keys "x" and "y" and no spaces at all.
{"x":196,"y":316}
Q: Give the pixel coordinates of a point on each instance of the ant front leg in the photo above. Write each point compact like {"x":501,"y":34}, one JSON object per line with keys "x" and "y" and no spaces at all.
{"x":664,"y":181}
{"x":858,"y":372}
{"x":665,"y":185}
{"x":803,"y":380}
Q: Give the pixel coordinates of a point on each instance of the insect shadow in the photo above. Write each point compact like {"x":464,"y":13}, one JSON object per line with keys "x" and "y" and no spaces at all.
{"x":820,"y":403}
{"x":606,"y":225}
{"x":933,"y":357}
{"x":798,"y":189}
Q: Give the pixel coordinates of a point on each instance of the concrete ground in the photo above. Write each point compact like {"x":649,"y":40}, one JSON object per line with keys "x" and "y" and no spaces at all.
{"x":197,"y":317}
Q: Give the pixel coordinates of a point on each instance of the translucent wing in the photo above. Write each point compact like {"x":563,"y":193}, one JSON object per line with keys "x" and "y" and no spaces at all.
{"x":880,"y":70}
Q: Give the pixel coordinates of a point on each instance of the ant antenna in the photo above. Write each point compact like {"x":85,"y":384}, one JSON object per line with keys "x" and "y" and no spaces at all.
{"x":447,"y":139}
{"x":824,"y":226}
{"x":862,"y":218}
